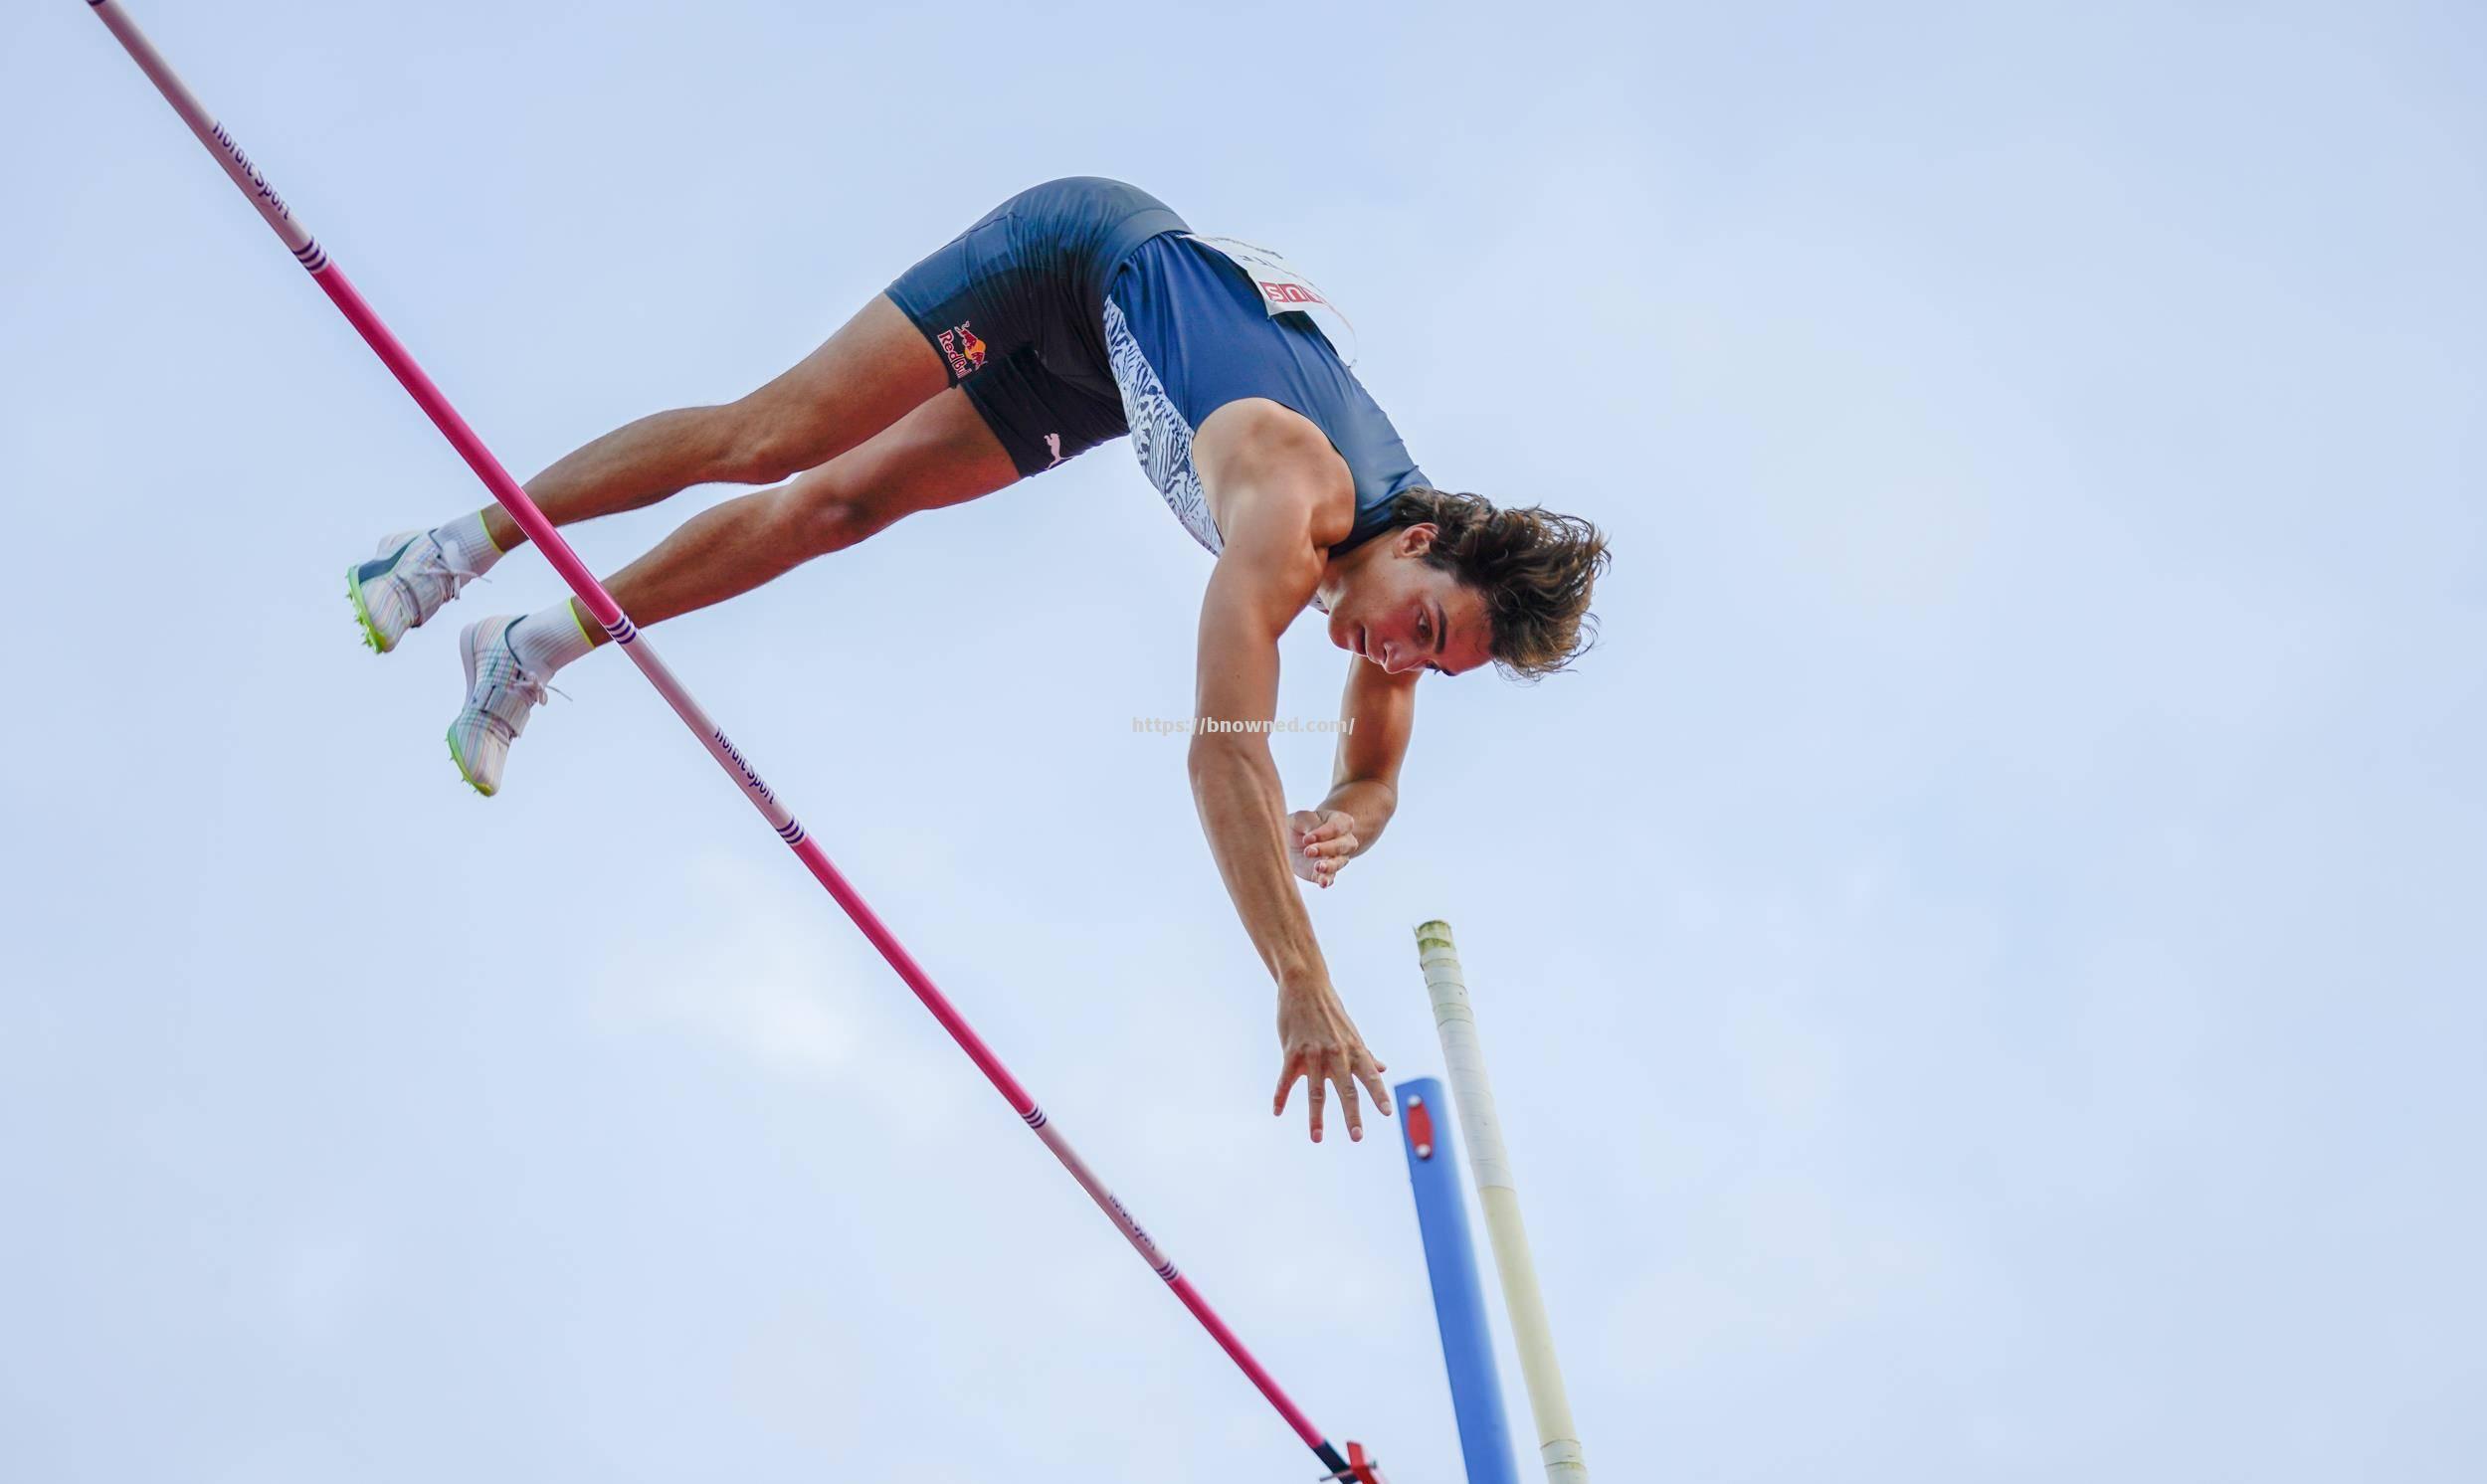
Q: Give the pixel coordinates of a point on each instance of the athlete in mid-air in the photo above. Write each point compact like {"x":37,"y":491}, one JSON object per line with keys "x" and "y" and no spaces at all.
{"x":1077,"y":311}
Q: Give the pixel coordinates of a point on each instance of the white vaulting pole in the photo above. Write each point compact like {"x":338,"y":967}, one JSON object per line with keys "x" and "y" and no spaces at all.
{"x":1558,"y":1440}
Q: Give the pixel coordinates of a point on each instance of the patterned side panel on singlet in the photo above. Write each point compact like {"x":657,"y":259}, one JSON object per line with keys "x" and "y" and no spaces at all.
{"x":1159,"y":436}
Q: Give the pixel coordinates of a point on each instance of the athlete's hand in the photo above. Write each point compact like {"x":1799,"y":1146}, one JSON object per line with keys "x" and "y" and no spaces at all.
{"x":1324,"y":1050}
{"x":1319,"y":842}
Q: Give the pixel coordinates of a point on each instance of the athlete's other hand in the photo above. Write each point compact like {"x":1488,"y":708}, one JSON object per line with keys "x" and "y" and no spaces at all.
{"x":1319,"y":842}
{"x":1323,"y":1050}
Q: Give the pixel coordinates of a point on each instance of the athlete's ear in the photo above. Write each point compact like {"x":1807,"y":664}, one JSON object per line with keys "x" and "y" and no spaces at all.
{"x":1417,"y":539}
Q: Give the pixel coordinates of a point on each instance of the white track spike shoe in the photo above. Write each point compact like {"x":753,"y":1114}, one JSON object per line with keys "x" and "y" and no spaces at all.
{"x":402,"y":585}
{"x":500,"y":695}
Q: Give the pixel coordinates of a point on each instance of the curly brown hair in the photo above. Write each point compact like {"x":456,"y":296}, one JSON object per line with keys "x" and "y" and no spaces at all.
{"x":1533,"y":567}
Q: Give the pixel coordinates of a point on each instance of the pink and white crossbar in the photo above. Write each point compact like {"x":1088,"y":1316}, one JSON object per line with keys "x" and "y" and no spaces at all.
{"x":332,"y":281}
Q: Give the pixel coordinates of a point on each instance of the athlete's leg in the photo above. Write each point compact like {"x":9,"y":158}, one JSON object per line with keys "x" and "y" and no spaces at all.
{"x":868,"y":375}
{"x":941,"y":454}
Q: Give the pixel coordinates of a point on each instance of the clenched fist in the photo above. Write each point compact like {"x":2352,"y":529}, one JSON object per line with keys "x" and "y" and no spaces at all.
{"x":1319,"y":842}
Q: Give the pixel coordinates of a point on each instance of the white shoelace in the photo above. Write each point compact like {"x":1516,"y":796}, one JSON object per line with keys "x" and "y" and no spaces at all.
{"x":457,"y":576}
{"x":530,"y":688}
{"x":439,"y":569}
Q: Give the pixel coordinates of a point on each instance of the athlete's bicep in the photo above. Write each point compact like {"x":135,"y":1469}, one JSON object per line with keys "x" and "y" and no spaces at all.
{"x":1263,"y":580}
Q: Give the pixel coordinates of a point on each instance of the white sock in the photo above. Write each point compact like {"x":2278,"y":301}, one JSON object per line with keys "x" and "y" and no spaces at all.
{"x":548,"y":638}
{"x":467,"y":543}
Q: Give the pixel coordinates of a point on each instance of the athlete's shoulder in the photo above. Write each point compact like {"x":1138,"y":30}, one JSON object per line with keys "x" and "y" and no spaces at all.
{"x":1259,"y":449}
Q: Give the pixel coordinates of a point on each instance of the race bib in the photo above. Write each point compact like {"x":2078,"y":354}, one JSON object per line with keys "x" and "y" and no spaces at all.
{"x":1284,"y":289}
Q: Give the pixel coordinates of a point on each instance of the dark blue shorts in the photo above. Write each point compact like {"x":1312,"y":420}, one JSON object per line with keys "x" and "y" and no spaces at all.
{"x":1015,"y":304}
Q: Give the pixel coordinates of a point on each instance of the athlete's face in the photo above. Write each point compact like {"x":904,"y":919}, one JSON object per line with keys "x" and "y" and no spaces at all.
{"x":1402,"y":612}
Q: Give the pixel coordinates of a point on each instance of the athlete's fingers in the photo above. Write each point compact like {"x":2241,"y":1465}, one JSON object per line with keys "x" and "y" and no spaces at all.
{"x":1312,"y":1089}
{"x":1371,"y":1075}
{"x":1348,"y":1099}
{"x":1287,"y":1085}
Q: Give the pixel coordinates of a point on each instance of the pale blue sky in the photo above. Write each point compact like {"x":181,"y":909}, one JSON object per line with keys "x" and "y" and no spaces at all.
{"x":1983,"y":965}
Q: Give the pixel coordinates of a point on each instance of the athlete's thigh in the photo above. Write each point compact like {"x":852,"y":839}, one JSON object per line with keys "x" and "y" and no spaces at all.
{"x":941,"y":454}
{"x":877,"y":369}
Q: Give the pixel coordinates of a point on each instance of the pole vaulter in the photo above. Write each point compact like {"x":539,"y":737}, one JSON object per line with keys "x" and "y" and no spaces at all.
{"x":592,"y":594}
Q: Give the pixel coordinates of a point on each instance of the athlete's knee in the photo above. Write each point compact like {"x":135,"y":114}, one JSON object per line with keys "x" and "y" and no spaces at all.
{"x":827,"y":516}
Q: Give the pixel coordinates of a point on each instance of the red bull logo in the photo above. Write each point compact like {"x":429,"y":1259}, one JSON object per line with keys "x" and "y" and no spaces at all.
{"x":964,"y":350}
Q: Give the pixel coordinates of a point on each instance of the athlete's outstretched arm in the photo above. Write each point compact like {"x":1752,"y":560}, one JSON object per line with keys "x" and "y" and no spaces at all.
{"x":1375,"y":717}
{"x":1264,"y":577}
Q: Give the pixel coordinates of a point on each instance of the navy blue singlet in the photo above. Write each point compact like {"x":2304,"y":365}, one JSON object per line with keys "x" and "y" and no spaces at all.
{"x":1078,"y":310}
{"x":1186,"y":333}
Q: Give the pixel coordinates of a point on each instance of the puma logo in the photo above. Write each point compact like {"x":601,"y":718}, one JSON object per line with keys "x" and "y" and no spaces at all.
{"x":1054,"y":441}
